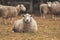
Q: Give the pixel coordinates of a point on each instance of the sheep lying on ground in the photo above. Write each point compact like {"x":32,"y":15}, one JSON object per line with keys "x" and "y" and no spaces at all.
{"x":10,"y":12}
{"x":26,"y":24}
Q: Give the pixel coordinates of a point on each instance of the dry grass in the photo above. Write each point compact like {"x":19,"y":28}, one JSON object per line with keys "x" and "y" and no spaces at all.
{"x":48,"y":29}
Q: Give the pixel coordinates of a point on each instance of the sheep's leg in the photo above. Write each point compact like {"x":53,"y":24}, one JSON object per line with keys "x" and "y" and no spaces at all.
{"x":11,"y":20}
{"x":53,"y":16}
{"x":41,"y":15}
{"x":44,"y":16}
{"x":4,"y":21}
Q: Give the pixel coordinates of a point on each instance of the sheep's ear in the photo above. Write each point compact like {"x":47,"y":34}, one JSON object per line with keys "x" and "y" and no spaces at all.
{"x":31,"y":15}
{"x":23,"y":15}
{"x":18,"y":5}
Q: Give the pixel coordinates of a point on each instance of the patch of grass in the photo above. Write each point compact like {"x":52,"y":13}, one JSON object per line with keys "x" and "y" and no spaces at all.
{"x":48,"y":29}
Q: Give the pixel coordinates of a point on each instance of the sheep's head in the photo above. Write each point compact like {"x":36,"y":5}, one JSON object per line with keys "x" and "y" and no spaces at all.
{"x":27,"y":18}
{"x":21,"y":7}
{"x":56,"y":2}
{"x":49,"y":4}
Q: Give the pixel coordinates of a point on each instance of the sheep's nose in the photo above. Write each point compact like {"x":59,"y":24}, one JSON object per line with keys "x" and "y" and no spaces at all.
{"x":27,"y":20}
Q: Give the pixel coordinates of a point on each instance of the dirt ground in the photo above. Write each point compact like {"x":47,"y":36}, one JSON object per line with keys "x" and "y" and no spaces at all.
{"x":48,"y":29}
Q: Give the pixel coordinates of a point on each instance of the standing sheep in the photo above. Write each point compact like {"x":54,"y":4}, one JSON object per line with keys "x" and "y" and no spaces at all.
{"x":54,"y":8}
{"x":43,"y":10}
{"x":10,"y":12}
{"x":26,"y":24}
{"x":56,"y":2}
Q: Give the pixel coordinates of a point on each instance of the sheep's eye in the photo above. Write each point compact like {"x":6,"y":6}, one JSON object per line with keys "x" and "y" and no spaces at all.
{"x":20,"y":5}
{"x":30,"y":15}
{"x":23,"y":15}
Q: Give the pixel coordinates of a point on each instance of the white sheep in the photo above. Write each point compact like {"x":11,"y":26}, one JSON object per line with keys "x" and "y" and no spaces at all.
{"x":26,"y":24}
{"x":10,"y":12}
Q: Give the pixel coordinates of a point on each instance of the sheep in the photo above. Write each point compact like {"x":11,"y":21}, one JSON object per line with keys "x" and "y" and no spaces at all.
{"x":54,"y":9}
{"x":49,"y":7}
{"x":43,"y":10}
{"x":56,"y":2}
{"x":10,"y":12}
{"x":25,"y":24}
